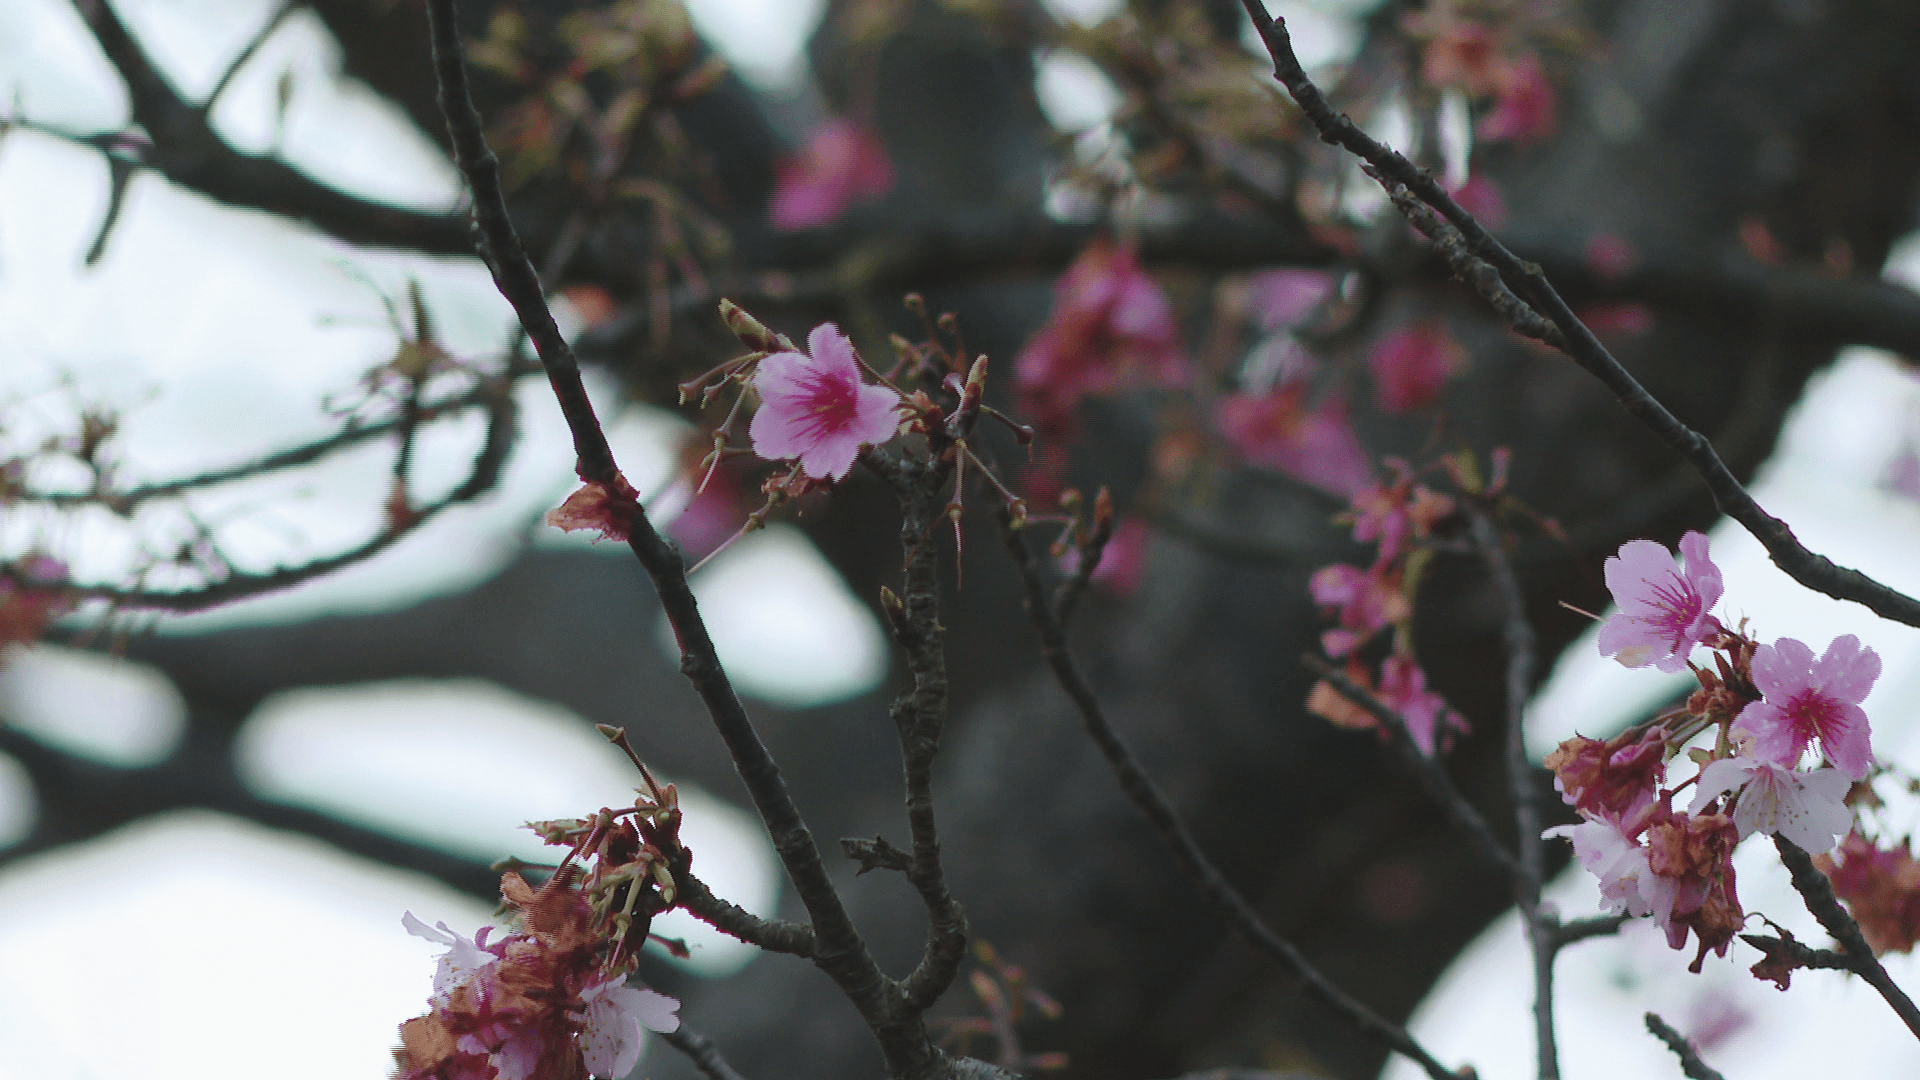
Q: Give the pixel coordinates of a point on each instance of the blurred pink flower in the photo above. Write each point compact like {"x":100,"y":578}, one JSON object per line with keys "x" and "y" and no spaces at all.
{"x":1110,"y":324}
{"x":1523,"y":103}
{"x":818,"y":409}
{"x":1610,"y":853}
{"x":1808,"y":701}
{"x":1609,"y":256}
{"x":1412,"y":364}
{"x":1276,"y":430}
{"x":1365,"y":602}
{"x":841,"y":161}
{"x":1663,"y":609}
{"x":1403,"y":688}
{"x":1280,"y":298}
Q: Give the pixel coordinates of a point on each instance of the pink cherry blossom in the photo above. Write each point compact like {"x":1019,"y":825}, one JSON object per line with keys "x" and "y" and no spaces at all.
{"x":818,"y":409}
{"x":1804,"y":807}
{"x":1663,"y":609}
{"x":1110,"y":325}
{"x":841,"y":161}
{"x":464,"y":958}
{"x":1808,"y":701}
{"x":1403,"y":688}
{"x":1367,"y":601}
{"x":615,"y":1014}
{"x":1278,"y":429}
{"x":1411,"y":365}
{"x":1627,"y":883}
{"x":1481,"y":197}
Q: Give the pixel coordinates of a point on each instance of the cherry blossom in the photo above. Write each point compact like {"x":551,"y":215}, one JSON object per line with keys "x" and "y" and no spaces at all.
{"x":1523,"y":103}
{"x":1695,"y":853}
{"x":1808,"y":701}
{"x":1368,"y":601}
{"x":615,"y":1016}
{"x":1411,"y":365}
{"x":1881,"y":887}
{"x":1616,"y":779}
{"x":1403,"y":688}
{"x":1394,"y":514}
{"x":1805,"y":807}
{"x":1663,"y":609}
{"x":1110,"y":324}
{"x":1611,"y":854}
{"x":464,"y":958}
{"x":841,"y":161}
{"x":818,"y":409}
{"x":1280,"y":430}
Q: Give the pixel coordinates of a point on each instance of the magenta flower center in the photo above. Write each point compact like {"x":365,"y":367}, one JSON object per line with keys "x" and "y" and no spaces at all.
{"x":832,"y":401}
{"x":1813,"y":717}
{"x":1678,"y":607}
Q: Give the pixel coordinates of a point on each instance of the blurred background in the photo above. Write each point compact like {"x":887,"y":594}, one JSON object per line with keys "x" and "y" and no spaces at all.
{"x":227,"y":230}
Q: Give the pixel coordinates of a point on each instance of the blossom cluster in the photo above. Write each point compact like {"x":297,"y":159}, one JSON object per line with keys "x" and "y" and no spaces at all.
{"x":549,"y":999}
{"x":1767,"y":706}
{"x":1366,"y":603}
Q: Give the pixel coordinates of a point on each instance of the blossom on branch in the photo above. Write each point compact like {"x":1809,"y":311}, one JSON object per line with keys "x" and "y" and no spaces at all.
{"x":1809,"y":701}
{"x":1807,"y":808}
{"x":1664,"y":609}
{"x":1615,"y":779}
{"x":1403,"y":688}
{"x":818,"y":409}
{"x":1367,"y":602}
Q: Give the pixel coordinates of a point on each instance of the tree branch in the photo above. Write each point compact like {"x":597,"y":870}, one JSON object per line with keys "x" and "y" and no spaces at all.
{"x":1809,"y":569}
{"x":1816,"y":889}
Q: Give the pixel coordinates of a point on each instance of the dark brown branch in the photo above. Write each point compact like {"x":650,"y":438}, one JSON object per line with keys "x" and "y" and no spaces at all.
{"x":1690,"y":1062}
{"x":1817,"y":890}
{"x":773,"y":935}
{"x":1146,"y":796}
{"x":701,"y":1051}
{"x":187,"y":151}
{"x":839,"y":950}
{"x":240,"y":59}
{"x":1427,"y":770}
{"x":1809,"y":569}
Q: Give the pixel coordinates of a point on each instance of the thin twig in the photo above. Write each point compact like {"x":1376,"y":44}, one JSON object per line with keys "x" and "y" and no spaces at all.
{"x":1690,"y":1062}
{"x":701,"y":1051}
{"x":1427,"y":770}
{"x":1809,"y":569}
{"x":1519,"y":639}
{"x":1817,"y":890}
{"x":1146,"y":796}
{"x":1565,"y":934}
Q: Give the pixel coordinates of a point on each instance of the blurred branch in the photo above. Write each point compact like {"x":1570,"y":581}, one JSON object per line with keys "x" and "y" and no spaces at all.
{"x":187,"y":151}
{"x":80,"y":799}
{"x":1167,"y":823}
{"x":400,"y":522}
{"x":701,"y":1051}
{"x":1690,"y":1062}
{"x":1530,"y":284}
{"x":1519,"y":639}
